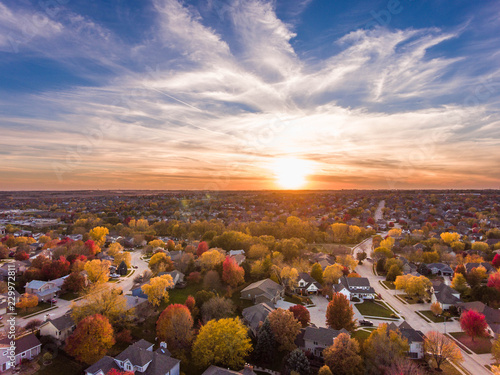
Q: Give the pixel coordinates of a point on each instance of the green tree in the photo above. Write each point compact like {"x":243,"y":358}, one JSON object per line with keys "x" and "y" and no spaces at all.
{"x":265,"y":347}
{"x":298,"y":362}
{"x":317,"y":273}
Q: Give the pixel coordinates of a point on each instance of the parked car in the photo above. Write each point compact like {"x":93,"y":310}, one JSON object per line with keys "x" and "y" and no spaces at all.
{"x":365,"y":323}
{"x":53,"y":300}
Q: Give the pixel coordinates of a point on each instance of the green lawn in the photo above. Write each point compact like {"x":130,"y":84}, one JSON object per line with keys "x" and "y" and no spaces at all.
{"x":480,"y":345}
{"x":33,"y":310}
{"x":361,"y":335}
{"x":429,"y":315}
{"x":389,"y":284}
{"x":62,"y":364}
{"x":69,"y":296}
{"x":370,"y":308}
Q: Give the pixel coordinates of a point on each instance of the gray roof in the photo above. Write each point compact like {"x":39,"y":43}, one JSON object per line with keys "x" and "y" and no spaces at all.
{"x":266,"y":287}
{"x":105,"y":364}
{"x":445,"y":294}
{"x":23,"y":343}
{"x":309,"y":280}
{"x":324,"y":336}
{"x":63,"y":322}
{"x":35,"y":284}
{"x":215,"y":370}
{"x":253,"y":315}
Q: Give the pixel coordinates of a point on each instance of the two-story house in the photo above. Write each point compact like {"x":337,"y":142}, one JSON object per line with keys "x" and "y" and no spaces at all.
{"x":444,"y":294}
{"x":254,"y":315}
{"x":307,"y":285}
{"x":138,"y":358}
{"x":355,"y":287}
{"x":415,"y":339}
{"x":266,"y":291}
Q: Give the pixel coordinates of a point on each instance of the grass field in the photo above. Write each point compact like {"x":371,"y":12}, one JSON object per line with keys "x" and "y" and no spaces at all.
{"x":370,"y":308}
{"x":480,"y":345}
{"x":429,"y":315}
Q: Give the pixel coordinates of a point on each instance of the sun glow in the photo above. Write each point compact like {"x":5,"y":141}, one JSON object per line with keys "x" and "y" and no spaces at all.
{"x":291,"y":173}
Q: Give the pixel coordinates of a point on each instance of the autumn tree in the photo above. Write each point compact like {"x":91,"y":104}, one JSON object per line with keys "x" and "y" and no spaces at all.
{"x":343,"y":356}
{"x":495,"y":350}
{"x":27,"y":301}
{"x":115,"y":248}
{"x":91,"y":340}
{"x":175,"y":327}
{"x":474,"y":324}
{"x":301,"y":313}
{"x":98,"y":235}
{"x":404,"y":366}
{"x":109,"y":302}
{"x":347,"y":260}
{"x":441,"y":348}
{"x":480,"y":246}
{"x":436,"y":308}
{"x":217,"y":308}
{"x":325,"y":370}
{"x":332,"y":274}
{"x":297,"y":362}
{"x":160,"y":262}
{"x":232,"y":274}
{"x":285,"y":328}
{"x":114,"y":371}
{"x":494,"y":281}
{"x":459,"y":283}
{"x":202,"y":248}
{"x":317,"y":272}
{"x":224,"y":342}
{"x":417,"y":286}
{"x":289,"y":277}
{"x":97,"y":271}
{"x":258,"y":251}
{"x":382,"y":348}
{"x":496,"y":261}
{"x":339,"y":313}
{"x":156,"y":289}
{"x":74,"y":283}
{"x":211,"y":280}
{"x":450,"y":237}
{"x":210,"y":259}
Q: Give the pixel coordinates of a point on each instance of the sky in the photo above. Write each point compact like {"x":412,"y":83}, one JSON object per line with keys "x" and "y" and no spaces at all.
{"x":223,"y":94}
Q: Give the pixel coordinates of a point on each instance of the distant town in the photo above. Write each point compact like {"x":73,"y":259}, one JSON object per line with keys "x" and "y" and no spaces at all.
{"x":250,"y":282}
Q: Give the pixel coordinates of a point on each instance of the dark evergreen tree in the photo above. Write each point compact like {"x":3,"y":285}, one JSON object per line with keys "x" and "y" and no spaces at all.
{"x":264,"y":350}
{"x":122,"y":269}
{"x":298,"y":362}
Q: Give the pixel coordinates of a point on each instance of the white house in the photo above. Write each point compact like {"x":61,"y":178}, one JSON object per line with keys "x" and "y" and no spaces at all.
{"x":355,"y":287}
{"x":307,"y":285}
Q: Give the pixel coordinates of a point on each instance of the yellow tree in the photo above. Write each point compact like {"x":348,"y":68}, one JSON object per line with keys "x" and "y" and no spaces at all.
{"x":332,"y":274}
{"x":388,"y":243}
{"x":97,"y":271}
{"x":210,"y":259}
{"x":156,"y":289}
{"x":98,"y":234}
{"x":441,"y":348}
{"x":347,"y":261}
{"x":394,"y":232}
{"x":109,"y":302}
{"x":418,"y":286}
{"x":436,"y":308}
{"x":160,"y":262}
{"x":115,"y":248}
{"x":450,"y":237}
{"x":459,"y":283}
{"x":123,"y":257}
{"x":289,"y":277}
{"x":27,"y":301}
{"x":340,"y":231}
{"x":222,"y":342}
{"x":156,"y":243}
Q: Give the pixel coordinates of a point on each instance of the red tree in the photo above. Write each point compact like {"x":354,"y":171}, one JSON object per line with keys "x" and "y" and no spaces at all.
{"x":496,"y":261}
{"x":114,"y":371}
{"x":460,"y":269}
{"x":56,"y":269}
{"x":91,"y":247}
{"x":21,"y":256}
{"x":494,"y":281}
{"x":301,"y":314}
{"x":190,"y":303}
{"x":232,"y":274}
{"x":473,"y":324}
{"x":194,"y":277}
{"x":175,"y":326}
{"x":75,"y":282}
{"x":202,"y":247}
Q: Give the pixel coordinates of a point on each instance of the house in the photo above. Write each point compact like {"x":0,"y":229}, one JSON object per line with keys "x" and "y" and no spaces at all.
{"x":317,"y":339}
{"x":323,"y":259}
{"x":238,"y":258}
{"x":415,"y":339}
{"x":355,"y":287}
{"x":44,"y":290}
{"x":253,"y":316}
{"x":445,"y":295}
{"x":135,"y":301}
{"x":140,"y":359}
{"x":307,"y":285}
{"x":59,"y":328}
{"x":177,"y":276}
{"x":491,"y":315}
{"x":263,"y":291}
{"x":489,"y":267}
{"x":236,"y":252}
{"x":408,"y":268}
{"x":25,"y":347}
{"x":440,"y":269}
{"x":216,"y":370}
{"x":18,"y":266}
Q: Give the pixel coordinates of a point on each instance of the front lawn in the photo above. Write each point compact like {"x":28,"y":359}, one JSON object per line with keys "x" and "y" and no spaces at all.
{"x":389,"y":284}
{"x":362,"y":334}
{"x":33,"y":310}
{"x":371,"y":308}
{"x":480,"y":345}
{"x":69,"y":296}
{"x":61,"y":364}
{"x":411,"y":299}
{"x":436,"y":319}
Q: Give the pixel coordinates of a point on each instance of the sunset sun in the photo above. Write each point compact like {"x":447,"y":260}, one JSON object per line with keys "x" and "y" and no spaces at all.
{"x":291,"y":173}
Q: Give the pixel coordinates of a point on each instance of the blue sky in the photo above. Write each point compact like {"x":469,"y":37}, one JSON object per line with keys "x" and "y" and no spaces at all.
{"x":166,"y":94}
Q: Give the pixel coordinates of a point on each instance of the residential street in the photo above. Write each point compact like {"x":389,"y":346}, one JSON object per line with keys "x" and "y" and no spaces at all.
{"x":473,"y":363}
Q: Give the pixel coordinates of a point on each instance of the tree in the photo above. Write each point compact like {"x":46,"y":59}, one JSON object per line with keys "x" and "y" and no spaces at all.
{"x":332,"y":274}
{"x":217,"y":308}
{"x":343,"y":356}
{"x":27,"y":301}
{"x":289,"y":277}
{"x":122,"y":268}
{"x":394,"y":232}
{"x":91,"y":339}
{"x":55,"y":269}
{"x":97,"y":271}
{"x":404,"y":366}
{"x":175,"y":327}
{"x":211,"y":280}
{"x":202,"y":248}
{"x":190,"y":303}
{"x":494,"y":281}
{"x":436,"y":308}
{"x":325,"y":370}
{"x":393,"y":272}
{"x":301,"y":313}
{"x":115,"y":248}
{"x":125,"y":258}
{"x":441,"y":348}
{"x":232,"y":274}
{"x":258,"y":251}
{"x":114,"y":371}
{"x":265,"y":347}
{"x":450,"y":237}
{"x":224,"y":342}
{"x":339,"y":313}
{"x":474,"y":324}
{"x":156,"y":289}
{"x":382,"y":348}
{"x":317,"y":272}
{"x":388,"y":243}
{"x":74,"y":283}
{"x":361,"y":256}
{"x":98,"y":235}
{"x":347,"y":260}
{"x":416,"y":286}
{"x":285,"y":328}
{"x":480,"y":246}
{"x":33,"y":324}
{"x":210,"y":259}
{"x":298,"y":362}
{"x":382,"y":253}
{"x":496,"y":261}
{"x":495,"y":350}
{"x":109,"y":302}
{"x":160,"y":262}
{"x":459,"y":283}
